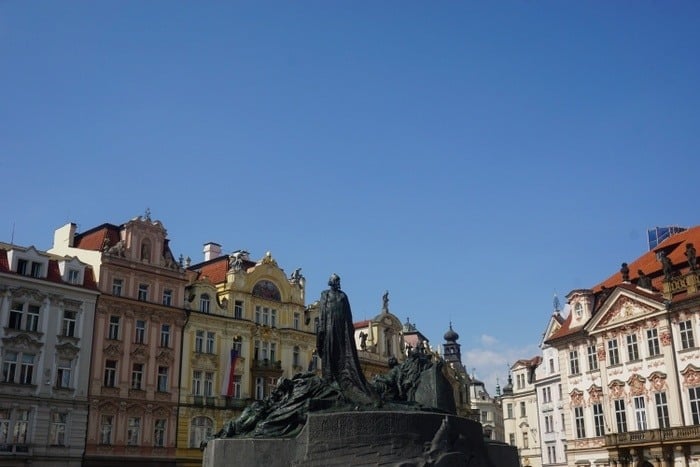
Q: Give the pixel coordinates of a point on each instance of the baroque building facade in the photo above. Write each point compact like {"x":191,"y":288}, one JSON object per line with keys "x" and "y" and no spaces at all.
{"x":47,"y":308}
{"x":136,"y":346}
{"x":520,"y":411}
{"x":630,"y":362}
{"x":247,"y":326}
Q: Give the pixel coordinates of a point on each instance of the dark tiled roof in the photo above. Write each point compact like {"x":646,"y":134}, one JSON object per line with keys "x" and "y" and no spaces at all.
{"x":53,"y":274}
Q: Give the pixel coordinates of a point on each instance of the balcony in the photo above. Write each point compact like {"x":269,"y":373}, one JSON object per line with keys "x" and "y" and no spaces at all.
{"x":266,"y":364}
{"x":663,"y":435}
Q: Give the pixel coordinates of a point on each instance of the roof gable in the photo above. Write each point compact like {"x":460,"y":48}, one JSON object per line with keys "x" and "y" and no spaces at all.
{"x":621,"y":307}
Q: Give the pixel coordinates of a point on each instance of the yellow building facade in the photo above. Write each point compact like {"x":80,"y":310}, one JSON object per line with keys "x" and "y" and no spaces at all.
{"x":247,"y":326}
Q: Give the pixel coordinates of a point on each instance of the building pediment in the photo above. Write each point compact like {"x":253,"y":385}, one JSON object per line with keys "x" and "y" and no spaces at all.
{"x":623,"y":307}
{"x":22,"y":343}
{"x":67,"y":350}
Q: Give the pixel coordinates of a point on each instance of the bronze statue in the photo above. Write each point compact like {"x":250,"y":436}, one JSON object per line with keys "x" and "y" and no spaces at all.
{"x":363,"y":340}
{"x":666,"y":265}
{"x":644,"y":281}
{"x":336,"y":342}
{"x":692,"y":259}
{"x":625,"y":271}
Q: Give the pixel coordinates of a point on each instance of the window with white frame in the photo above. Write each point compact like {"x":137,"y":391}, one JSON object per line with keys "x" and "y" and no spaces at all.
{"x":509,"y":411}
{"x":159,"y":432}
{"x":640,"y":413}
{"x":592,"y":357}
{"x":163,"y":372}
{"x":106,"y":428}
{"x":686,"y":331}
{"x":167,"y":297}
{"x":259,"y":388}
{"x":137,"y":376}
{"x":26,"y":370}
{"x":143,"y":292}
{"x":165,"y":335}
{"x":548,"y":423}
{"x":14,"y":425}
{"x":9,"y":366}
{"x":200,"y":430}
{"x":271,"y":383}
{"x":33,"y":318}
{"x":57,"y":433}
{"x":196,"y":383}
{"x":523,"y":410}
{"x":546,"y":394}
{"x":68,"y":324}
{"x":117,"y":286}
{"x":653,"y":342}
{"x":632,"y":348}
{"x":110,"y":376}
{"x":511,"y":439}
{"x":22,"y":266}
{"x":199,"y":341}
{"x":73,"y":276}
{"x":37,"y":269}
{"x":573,"y":362}
{"x":526,"y":441}
{"x":237,"y":386}
{"x":238,"y":309}
{"x":551,"y":366}
{"x":694,"y":397}
{"x":210,"y":342}
{"x":16,"y":314}
{"x":613,"y":353}
{"x":24,"y":316}
{"x":204,"y":302}
{"x":273,"y":352}
{"x":63,"y":373}
{"x":209,"y":383}
{"x":273,"y":318}
{"x":551,"y":454}
{"x":258,"y":314}
{"x":620,"y":416}
{"x":297,"y":321}
{"x":133,"y":431}
{"x":113,"y":328}
{"x":580,"y":422}
{"x":662,"y":410}
{"x":598,"y":419}
{"x":140,"y":331}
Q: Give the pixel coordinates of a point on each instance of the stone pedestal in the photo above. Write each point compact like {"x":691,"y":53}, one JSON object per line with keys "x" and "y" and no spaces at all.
{"x":369,"y":438}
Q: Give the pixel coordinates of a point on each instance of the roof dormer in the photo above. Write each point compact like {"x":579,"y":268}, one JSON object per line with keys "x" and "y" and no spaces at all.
{"x":72,"y":270}
{"x":28,"y":262}
{"x":581,"y":303}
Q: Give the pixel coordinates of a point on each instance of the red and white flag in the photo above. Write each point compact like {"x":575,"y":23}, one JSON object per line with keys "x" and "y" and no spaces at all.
{"x":227,"y":388}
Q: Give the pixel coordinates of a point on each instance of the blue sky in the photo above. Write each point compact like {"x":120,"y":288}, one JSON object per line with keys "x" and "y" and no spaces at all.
{"x":470,"y":157}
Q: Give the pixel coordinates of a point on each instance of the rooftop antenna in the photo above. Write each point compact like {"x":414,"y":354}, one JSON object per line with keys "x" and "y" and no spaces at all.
{"x":12,"y":235}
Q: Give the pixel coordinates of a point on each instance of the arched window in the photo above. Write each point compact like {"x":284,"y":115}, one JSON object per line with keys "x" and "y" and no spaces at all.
{"x":204,"y":302}
{"x":146,"y":250}
{"x":267,"y":290}
{"x":200,"y":430}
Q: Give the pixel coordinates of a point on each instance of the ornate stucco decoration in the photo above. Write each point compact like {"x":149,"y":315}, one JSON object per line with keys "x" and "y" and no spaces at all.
{"x":204,"y":361}
{"x":624,"y":309}
{"x":165,"y":356}
{"x":636,"y":383}
{"x":617,"y":389}
{"x":113,"y":349}
{"x":32,"y":294}
{"x":595,"y":393}
{"x":658,"y":381}
{"x":691,"y":376}
{"x":576,"y":398}
{"x":67,"y":350}
{"x":268,"y":259}
{"x":140,"y":353}
{"x":22,"y":342}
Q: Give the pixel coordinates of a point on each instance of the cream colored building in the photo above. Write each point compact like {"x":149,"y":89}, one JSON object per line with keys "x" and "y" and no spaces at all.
{"x":47,"y":308}
{"x":629,"y":354}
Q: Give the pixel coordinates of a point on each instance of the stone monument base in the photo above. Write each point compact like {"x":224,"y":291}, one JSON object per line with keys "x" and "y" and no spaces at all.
{"x":406,"y":439}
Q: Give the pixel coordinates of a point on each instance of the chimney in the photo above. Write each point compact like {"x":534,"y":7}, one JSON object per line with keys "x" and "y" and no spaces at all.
{"x":211,"y":250}
{"x":63,"y":236}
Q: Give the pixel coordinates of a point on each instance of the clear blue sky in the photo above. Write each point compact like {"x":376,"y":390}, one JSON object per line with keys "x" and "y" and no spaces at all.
{"x":470,"y":157}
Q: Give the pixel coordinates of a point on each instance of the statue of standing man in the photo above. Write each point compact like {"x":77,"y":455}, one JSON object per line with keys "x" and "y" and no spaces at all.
{"x":336,"y":344}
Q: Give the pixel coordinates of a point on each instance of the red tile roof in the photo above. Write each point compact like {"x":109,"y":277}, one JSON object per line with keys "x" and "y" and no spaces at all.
{"x":4,"y":267}
{"x":53,"y":274}
{"x":215,"y":269}
{"x":674,"y":247}
{"x":94,"y":238}
{"x":361,"y":324}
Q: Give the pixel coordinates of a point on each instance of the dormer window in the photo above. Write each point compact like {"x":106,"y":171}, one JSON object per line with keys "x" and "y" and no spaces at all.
{"x":36,"y":269}
{"x":22,"y":267}
{"x":74,"y":276}
{"x":204,"y":303}
{"x":578,"y":309}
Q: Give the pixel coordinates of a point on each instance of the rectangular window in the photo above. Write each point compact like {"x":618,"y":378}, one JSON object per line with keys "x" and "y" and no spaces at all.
{"x":632,"y":348}
{"x":110,"y":380}
{"x":165,"y":335}
{"x":209,"y":383}
{"x":620,"y":416}
{"x":687,"y":338}
{"x":32,"y":318}
{"x":22,"y":267}
{"x":199,"y":341}
{"x":548,"y":423}
{"x":653,"y":342}
{"x":113,"y":327}
{"x":273,"y":352}
{"x":573,"y":362}
{"x":526,"y":441}
{"x":73,"y":276}
{"x":167,"y":297}
{"x":15,"y":321}
{"x":9,"y":367}
{"x":523,"y":410}
{"x":273,"y":318}
{"x":133,"y":432}
{"x":143,"y":292}
{"x":238,"y":309}
{"x":210,"y":342}
{"x":598,"y":419}
{"x":511,"y":439}
{"x":159,"y":433}
{"x":63,"y":373}
{"x":640,"y":413}
{"x":266,"y":316}
{"x":694,"y":394}
{"x":509,"y":410}
{"x":36,"y":269}
{"x":592,"y":358}
{"x":20,"y":431}
{"x":297,"y":321}
{"x":580,"y":423}
{"x":662,"y":410}
{"x":57,"y":434}
{"x":26,"y":371}
{"x":117,"y":285}
{"x":295,"y":357}
{"x":259,"y":388}
{"x":140,"y":334}
{"x":68,"y":325}
{"x":551,"y":366}
{"x":613,"y":354}
{"x":546,"y":395}
{"x":163,"y":379}
{"x":237,"y":386}
{"x":106,"y":425}
{"x":196,"y":383}
{"x":136,"y":376}
{"x":204,"y":303}
{"x":258,"y":314}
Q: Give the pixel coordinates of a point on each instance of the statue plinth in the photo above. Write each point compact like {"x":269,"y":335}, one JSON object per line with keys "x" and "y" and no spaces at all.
{"x":369,"y":438}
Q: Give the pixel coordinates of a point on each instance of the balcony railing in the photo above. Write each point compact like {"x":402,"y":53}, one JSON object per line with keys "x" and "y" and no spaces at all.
{"x":653,"y":436}
{"x":266,"y":364}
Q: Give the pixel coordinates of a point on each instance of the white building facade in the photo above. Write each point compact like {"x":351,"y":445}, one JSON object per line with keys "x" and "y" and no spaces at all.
{"x":520,"y":412}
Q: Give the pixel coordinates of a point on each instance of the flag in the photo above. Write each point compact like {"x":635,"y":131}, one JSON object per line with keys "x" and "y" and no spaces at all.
{"x":227,"y":386}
